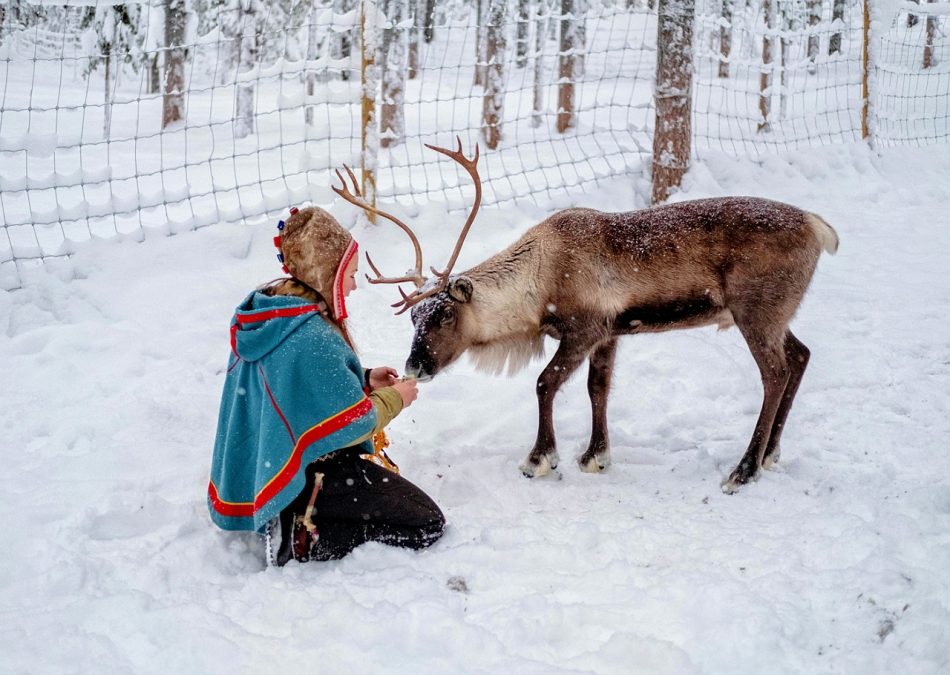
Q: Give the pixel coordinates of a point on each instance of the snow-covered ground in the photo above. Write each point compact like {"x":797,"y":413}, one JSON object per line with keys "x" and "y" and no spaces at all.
{"x":837,"y":561}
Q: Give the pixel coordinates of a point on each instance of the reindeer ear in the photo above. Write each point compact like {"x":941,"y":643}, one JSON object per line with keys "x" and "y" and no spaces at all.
{"x":460,"y":289}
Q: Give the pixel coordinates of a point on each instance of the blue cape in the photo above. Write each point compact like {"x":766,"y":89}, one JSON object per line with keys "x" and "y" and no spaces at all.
{"x":293,"y":393}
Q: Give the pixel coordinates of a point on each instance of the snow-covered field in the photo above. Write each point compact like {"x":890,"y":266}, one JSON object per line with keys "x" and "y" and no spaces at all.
{"x":837,"y":561}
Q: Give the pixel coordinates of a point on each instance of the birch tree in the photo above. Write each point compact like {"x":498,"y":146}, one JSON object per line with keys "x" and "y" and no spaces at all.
{"x":521,"y":33}
{"x":247,"y":51}
{"x":580,"y":38}
{"x":494,"y":100}
{"x":251,"y":31}
{"x":566,"y":67}
{"x":415,"y":37}
{"x":768,"y":56}
{"x":429,"y":31}
{"x":725,"y":38}
{"x":480,"y":44}
{"x":791,"y":25}
{"x":542,"y":16}
{"x":837,"y":16}
{"x":930,"y":32}
{"x":392,"y":61}
{"x":153,"y":25}
{"x":814,"y":39}
{"x":311,"y":76}
{"x":341,"y":42}
{"x":173,"y":98}
{"x":113,"y":40}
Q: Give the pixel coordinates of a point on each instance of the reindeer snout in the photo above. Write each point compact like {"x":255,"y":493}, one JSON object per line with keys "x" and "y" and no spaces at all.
{"x":418,"y":372}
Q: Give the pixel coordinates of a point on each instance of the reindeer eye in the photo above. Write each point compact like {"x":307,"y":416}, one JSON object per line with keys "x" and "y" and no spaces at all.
{"x":448,"y":315}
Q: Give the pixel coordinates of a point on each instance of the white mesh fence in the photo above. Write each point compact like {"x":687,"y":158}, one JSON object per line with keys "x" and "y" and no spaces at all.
{"x":166,"y":116}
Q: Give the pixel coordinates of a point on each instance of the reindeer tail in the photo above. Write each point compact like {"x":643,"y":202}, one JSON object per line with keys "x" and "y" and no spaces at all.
{"x":825,"y":233}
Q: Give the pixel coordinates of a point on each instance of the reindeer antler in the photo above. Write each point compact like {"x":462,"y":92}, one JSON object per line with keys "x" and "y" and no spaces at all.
{"x":417,"y":278}
{"x":470,"y":166}
{"x":357,"y":200}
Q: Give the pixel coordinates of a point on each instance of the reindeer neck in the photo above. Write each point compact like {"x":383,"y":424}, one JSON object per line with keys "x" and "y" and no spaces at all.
{"x":506,"y":290}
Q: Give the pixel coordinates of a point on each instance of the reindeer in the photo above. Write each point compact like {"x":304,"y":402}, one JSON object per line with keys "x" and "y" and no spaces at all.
{"x":585,"y":278}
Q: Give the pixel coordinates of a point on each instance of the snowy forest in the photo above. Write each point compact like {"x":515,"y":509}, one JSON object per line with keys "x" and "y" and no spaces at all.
{"x":118,"y":118}
{"x":155,"y":44}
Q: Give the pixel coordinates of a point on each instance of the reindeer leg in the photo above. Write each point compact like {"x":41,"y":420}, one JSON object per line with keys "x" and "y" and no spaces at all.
{"x":570,"y":353}
{"x":769,"y":355}
{"x":597,"y":456}
{"x":796,"y":355}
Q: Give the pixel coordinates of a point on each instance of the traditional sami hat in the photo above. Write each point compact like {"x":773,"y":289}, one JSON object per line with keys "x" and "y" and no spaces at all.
{"x":316,"y":249}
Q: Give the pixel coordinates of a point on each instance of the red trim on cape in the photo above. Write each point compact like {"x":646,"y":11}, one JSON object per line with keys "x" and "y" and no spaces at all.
{"x":264,"y":315}
{"x":292,"y":466}
{"x":279,"y":313}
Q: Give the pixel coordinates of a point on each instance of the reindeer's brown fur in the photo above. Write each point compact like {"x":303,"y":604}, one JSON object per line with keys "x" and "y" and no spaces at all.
{"x":586,"y":277}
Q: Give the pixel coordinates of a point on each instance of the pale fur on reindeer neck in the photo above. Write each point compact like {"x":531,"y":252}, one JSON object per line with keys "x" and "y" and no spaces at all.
{"x":505,"y":309}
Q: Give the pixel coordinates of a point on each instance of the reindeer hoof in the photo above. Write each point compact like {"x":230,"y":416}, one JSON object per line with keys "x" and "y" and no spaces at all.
{"x":729,"y":486}
{"x":595,"y":464}
{"x":738,"y":477}
{"x":543,"y":467}
{"x":769,"y":462}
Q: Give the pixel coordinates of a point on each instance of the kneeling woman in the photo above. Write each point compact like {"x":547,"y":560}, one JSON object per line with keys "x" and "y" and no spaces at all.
{"x":294,"y":456}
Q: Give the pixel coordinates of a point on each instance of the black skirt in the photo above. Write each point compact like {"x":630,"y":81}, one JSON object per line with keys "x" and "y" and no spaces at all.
{"x":359,"y":501}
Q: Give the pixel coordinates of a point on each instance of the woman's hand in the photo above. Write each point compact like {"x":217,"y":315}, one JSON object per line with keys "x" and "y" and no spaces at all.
{"x":408,"y":389}
{"x":382,"y":377}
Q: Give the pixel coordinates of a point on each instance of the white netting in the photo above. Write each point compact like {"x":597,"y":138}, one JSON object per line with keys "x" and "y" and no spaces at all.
{"x":911,"y":100}
{"x":269,"y":97}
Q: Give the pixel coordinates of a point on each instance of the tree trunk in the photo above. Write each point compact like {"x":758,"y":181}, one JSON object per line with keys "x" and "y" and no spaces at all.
{"x":429,"y":31}
{"x":930,"y":30}
{"x":247,"y":56}
{"x":814,"y":40}
{"x":341,"y":43}
{"x":154,"y":74}
{"x":392,"y":60}
{"x":725,"y":38}
{"x":418,"y":19}
{"x":313,"y":52}
{"x":765,"y":76}
{"x":672,"y":136}
{"x":494,"y":99}
{"x":521,"y":33}
{"x":173,"y":99}
{"x":107,"y":93}
{"x":537,"y":117}
{"x":837,"y":14}
{"x":565,"y":69}
{"x":580,"y":38}
{"x":480,"y":58}
{"x":784,"y":45}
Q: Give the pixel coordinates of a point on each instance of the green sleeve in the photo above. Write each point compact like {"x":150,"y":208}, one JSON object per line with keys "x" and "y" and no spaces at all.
{"x":388,"y":404}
